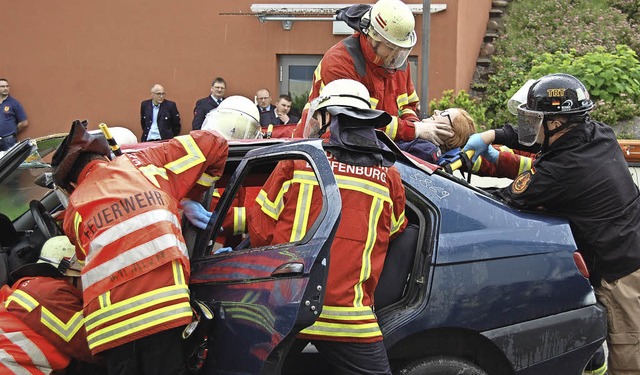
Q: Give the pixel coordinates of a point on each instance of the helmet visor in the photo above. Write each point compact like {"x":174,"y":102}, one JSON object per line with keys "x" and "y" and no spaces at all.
{"x":232,"y":124}
{"x":312,"y":126}
{"x":529,"y":123}
{"x":389,"y":55}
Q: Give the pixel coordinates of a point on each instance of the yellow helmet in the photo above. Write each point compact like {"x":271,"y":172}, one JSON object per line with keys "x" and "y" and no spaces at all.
{"x":57,"y":259}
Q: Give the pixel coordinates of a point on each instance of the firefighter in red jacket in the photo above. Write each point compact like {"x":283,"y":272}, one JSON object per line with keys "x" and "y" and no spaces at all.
{"x":373,"y":199}
{"x":376,"y":56}
{"x":41,"y":320}
{"x":123,"y":219}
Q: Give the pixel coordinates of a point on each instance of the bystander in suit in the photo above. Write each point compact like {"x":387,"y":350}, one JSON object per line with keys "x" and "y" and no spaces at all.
{"x":205,"y":105}
{"x":159,"y":118}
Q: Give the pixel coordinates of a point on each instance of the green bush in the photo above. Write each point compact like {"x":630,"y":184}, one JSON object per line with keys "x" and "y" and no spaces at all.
{"x":612,"y":79}
{"x":463,"y":100}
{"x":532,"y":28}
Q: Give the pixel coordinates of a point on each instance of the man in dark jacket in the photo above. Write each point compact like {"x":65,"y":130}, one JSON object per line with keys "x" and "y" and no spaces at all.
{"x":205,"y":105}
{"x":159,"y":118}
{"x":581,"y":174}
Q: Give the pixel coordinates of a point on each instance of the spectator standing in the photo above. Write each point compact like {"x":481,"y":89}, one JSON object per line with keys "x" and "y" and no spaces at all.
{"x":581,"y":174}
{"x":123,"y":219}
{"x":376,"y":55}
{"x":13,"y":119}
{"x":159,"y":117}
{"x":372,"y":214}
{"x":283,"y":121}
{"x":263,"y":97}
{"x":205,"y":105}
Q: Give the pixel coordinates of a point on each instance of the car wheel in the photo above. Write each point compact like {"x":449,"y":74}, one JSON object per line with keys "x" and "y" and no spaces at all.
{"x":441,"y":366}
{"x":46,"y":225}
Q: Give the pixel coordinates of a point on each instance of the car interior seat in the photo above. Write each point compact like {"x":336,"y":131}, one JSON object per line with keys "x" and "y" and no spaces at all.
{"x":397,"y":267}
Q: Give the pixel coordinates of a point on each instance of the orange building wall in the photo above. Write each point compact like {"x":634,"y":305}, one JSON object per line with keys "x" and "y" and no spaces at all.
{"x":97,"y":60}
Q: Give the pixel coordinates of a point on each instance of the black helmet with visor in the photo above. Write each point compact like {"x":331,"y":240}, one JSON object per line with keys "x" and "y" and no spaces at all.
{"x":553,"y":94}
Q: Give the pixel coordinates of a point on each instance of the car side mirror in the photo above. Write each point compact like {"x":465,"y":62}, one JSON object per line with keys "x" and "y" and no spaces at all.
{"x":45,"y":180}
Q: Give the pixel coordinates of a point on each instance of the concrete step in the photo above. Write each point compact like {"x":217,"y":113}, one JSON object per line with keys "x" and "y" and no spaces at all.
{"x":483,"y":61}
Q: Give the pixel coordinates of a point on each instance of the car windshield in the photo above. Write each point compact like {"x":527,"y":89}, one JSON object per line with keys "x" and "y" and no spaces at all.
{"x":19,"y":187}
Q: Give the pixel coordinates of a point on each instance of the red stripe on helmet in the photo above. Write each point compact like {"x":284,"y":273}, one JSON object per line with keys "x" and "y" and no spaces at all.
{"x":381,"y":21}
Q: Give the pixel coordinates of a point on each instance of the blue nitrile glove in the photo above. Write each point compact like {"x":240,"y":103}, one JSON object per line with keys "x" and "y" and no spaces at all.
{"x":476,"y":144}
{"x":223,"y":250}
{"x":492,"y":154}
{"x":196,"y":214}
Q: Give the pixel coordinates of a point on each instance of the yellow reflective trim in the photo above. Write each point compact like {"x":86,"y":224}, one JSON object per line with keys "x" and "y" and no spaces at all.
{"x":216,"y":193}
{"x":273,"y":209}
{"x":375,"y":211}
{"x":239,"y":220}
{"x":374,"y":102}
{"x":104,"y":299}
{"x":178,"y":273}
{"x":193,"y":157}
{"x":207,"y":180}
{"x":392,"y":128}
{"x":67,"y":330}
{"x":77,"y":219}
{"x":139,"y":323}
{"x":413,"y":97}
{"x":317,"y":77}
{"x":137,"y":303}
{"x":364,"y":186}
{"x":396,"y":223}
{"x":409,"y":111}
{"x":151,"y":171}
{"x":301,"y":217}
{"x":347,"y":313}
{"x":402,"y":100}
{"x":343,"y":330}
{"x":23,"y":299}
{"x":525,"y":164}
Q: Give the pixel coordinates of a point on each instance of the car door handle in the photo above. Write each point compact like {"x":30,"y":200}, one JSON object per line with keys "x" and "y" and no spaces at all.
{"x":288,"y":269}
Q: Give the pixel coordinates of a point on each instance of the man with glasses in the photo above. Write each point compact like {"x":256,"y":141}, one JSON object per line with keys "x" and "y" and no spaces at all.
{"x":205,"y":105}
{"x":159,"y":118}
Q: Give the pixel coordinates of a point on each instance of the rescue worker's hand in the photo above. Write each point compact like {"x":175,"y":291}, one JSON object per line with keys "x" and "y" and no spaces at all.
{"x":196,"y":214}
{"x":477,"y":144}
{"x":223,"y":250}
{"x":433,"y":132}
{"x":492,"y":154}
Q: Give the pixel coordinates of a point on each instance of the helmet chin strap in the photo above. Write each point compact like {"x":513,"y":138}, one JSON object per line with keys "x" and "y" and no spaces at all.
{"x":325,"y":124}
{"x":549,"y":133}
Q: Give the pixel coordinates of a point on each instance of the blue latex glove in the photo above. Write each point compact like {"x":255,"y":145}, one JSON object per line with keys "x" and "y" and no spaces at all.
{"x":196,"y":214}
{"x":476,"y":144}
{"x":223,"y":250}
{"x":492,"y":154}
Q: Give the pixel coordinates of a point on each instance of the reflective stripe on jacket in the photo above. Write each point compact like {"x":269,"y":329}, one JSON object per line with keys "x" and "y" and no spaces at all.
{"x":51,"y":307}
{"x":392,"y":92}
{"x":123,"y":218}
{"x":372,"y":211}
{"x":25,"y":351}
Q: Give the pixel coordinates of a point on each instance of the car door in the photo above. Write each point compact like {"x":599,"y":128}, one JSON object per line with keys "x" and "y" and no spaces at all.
{"x":263,"y":296}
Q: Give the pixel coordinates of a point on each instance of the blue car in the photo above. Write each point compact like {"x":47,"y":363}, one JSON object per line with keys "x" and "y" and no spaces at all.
{"x":472,"y":286}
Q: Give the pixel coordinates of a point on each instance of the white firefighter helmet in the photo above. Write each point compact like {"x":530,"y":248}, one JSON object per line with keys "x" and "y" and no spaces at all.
{"x":341,"y":92}
{"x":391,"y":25}
{"x":57,"y":258}
{"x":236,"y":117}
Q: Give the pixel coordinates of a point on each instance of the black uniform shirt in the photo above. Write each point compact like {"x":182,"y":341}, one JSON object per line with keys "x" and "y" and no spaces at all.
{"x":583,"y":176}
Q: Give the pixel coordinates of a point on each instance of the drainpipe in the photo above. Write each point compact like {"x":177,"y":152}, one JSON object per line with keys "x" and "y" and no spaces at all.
{"x":424,"y":67}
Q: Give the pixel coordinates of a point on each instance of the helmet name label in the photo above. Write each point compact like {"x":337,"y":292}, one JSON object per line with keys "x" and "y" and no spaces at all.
{"x":556,"y":92}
